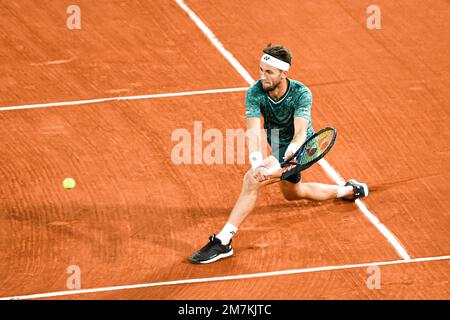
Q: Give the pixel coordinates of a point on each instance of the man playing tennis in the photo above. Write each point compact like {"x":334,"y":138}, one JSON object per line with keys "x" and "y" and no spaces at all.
{"x":285,"y":105}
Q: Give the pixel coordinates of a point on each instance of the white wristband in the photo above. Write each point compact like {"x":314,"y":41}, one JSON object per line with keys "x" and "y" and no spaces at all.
{"x":256,"y":159}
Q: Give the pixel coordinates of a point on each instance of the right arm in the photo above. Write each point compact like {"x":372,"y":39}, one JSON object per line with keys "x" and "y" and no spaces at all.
{"x":253,"y":114}
{"x":254,"y":149}
{"x":253,"y":135}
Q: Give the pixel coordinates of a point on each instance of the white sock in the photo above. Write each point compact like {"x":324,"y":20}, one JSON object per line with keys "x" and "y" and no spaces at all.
{"x":227,"y":233}
{"x":343,"y":191}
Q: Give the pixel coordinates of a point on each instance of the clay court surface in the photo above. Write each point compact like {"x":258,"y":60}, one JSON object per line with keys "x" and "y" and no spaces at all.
{"x":135,"y":216}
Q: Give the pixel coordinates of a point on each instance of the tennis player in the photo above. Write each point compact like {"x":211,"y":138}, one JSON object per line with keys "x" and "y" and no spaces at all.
{"x":285,"y":105}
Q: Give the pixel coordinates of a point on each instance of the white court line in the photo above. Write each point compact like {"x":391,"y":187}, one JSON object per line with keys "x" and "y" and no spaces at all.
{"x":385,"y":231}
{"x":225,"y":278}
{"x":325,"y":165}
{"x":212,"y":37}
{"x":147,"y":96}
{"x":369,"y":215}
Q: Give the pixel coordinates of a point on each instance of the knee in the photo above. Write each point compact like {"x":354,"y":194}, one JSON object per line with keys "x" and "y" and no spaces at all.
{"x":250,"y":182}
{"x":292,"y":193}
{"x":290,"y":197}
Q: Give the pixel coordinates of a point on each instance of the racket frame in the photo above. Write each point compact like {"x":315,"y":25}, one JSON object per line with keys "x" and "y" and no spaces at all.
{"x":299,"y":167}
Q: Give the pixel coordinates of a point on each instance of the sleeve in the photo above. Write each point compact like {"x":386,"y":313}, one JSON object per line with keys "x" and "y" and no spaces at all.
{"x":303,"y":105}
{"x":252,"y":108}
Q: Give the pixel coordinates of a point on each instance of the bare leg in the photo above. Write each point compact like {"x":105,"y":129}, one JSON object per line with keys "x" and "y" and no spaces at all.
{"x":219,"y":245}
{"x":247,"y":199}
{"x":311,"y":191}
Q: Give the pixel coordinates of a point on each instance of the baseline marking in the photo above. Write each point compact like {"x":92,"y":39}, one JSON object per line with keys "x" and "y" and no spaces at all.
{"x":225,"y":278}
{"x":141,"y":97}
{"x":325,"y":165}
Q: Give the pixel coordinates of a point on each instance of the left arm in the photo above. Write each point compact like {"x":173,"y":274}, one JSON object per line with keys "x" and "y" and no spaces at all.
{"x":301,"y":127}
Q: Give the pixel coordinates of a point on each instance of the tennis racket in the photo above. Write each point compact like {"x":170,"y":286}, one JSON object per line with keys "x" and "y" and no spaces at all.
{"x":314,"y":149}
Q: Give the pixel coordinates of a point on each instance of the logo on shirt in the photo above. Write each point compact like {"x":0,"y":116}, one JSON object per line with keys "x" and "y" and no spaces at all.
{"x":288,"y":98}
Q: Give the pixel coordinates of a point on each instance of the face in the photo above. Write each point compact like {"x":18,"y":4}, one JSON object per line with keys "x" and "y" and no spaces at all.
{"x":271,"y":77}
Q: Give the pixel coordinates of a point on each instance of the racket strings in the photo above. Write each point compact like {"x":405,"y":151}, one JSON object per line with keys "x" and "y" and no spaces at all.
{"x":315,"y":147}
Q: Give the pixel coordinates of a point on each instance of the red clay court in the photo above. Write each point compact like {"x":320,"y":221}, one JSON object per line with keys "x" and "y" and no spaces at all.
{"x":99,"y":104}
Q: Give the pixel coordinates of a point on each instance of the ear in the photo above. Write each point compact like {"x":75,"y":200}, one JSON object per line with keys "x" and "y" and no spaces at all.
{"x":284,"y":74}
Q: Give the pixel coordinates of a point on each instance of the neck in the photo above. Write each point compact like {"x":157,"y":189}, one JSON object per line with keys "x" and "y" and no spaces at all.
{"x":279,"y":91}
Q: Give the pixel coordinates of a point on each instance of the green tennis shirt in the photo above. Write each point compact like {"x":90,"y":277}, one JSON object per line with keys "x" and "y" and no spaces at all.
{"x":279,"y":115}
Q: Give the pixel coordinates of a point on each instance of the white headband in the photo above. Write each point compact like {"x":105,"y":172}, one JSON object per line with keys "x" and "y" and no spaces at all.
{"x":274,"y":62}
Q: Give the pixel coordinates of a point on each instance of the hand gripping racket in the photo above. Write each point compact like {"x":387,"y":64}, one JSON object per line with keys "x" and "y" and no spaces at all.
{"x":314,"y":149}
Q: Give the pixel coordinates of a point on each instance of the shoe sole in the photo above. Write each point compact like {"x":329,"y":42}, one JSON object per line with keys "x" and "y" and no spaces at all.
{"x":365,"y":187}
{"x":218,"y":257}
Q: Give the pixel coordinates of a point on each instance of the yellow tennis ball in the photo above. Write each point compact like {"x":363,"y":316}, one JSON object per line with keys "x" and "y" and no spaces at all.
{"x":69,"y":183}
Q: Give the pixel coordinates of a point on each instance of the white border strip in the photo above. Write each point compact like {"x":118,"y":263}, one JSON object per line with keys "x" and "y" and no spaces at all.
{"x":225,"y":278}
{"x":141,"y":97}
{"x":325,"y":165}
